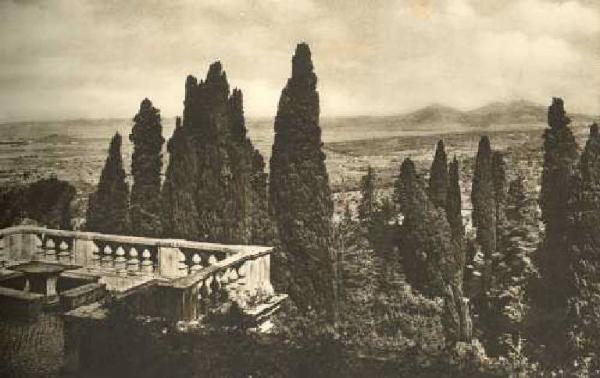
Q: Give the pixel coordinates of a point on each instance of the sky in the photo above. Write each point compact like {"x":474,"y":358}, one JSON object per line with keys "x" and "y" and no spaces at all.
{"x":66,"y":59}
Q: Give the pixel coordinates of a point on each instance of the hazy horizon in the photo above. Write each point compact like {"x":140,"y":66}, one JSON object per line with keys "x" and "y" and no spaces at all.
{"x":67,"y":59}
{"x":323,"y":117}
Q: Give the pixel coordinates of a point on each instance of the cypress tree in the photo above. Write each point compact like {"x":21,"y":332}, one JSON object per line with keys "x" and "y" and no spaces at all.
{"x":368,"y":202}
{"x":585,"y":250}
{"x":108,"y":209}
{"x":454,"y":201}
{"x":248,"y":178}
{"x":438,"y":177}
{"x":146,"y":166}
{"x":560,"y":159}
{"x":180,"y":214}
{"x":484,"y":206}
{"x":299,"y":190}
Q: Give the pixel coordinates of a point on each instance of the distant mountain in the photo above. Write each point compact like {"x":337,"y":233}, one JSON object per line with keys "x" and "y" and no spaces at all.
{"x":519,"y":112}
{"x":435,"y":114}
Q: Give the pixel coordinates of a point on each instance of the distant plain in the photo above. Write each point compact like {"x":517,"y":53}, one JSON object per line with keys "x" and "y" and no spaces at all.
{"x":75,"y":150}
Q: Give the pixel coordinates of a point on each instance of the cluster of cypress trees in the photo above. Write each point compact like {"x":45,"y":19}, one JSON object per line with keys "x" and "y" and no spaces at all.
{"x":215,"y":187}
{"x":432,"y":237}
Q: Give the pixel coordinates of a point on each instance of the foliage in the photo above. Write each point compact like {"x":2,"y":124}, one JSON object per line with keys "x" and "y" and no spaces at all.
{"x":108,"y":209}
{"x":512,"y":269}
{"x":47,"y":202}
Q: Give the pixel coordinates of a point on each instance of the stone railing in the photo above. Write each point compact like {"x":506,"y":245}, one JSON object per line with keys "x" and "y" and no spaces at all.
{"x":180,"y":261}
{"x":243,"y":278}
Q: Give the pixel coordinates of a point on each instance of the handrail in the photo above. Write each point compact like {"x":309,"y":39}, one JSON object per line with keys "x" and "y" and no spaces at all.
{"x":168,"y":243}
{"x":220,"y":265}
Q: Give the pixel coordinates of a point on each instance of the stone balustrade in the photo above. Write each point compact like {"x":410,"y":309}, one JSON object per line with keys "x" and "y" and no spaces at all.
{"x":204,"y":271}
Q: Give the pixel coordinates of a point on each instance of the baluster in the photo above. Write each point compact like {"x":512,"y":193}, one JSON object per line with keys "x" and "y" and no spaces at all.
{"x":64,"y":255}
{"x":211,"y":260}
{"x":50,"y":250}
{"x":107,"y":259}
{"x":133,"y":264}
{"x":147,"y":265}
{"x":2,"y":253}
{"x":120,"y":260}
{"x":234,"y":287}
{"x":196,"y":260}
{"x":39,"y":248}
{"x":224,"y":279}
{"x":242,"y":272}
{"x":204,"y":294}
{"x":215,"y":287}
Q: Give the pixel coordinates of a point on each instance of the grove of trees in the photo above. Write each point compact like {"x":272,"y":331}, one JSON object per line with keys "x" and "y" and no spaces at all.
{"x":518,"y":294}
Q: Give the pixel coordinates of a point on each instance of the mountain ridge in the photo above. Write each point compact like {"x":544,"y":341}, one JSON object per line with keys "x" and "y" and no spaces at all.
{"x":511,"y":112}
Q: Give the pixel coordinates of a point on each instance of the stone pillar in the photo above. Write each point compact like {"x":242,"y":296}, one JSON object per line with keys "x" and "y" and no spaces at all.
{"x":15,"y":246}
{"x":169,"y":262}
{"x":83,"y":252}
{"x":266,"y":275}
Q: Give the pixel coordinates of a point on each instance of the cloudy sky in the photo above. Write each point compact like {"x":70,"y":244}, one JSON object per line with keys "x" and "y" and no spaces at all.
{"x":63,"y":59}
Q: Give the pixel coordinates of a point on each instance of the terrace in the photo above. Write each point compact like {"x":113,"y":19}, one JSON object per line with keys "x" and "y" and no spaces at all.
{"x":171,"y":279}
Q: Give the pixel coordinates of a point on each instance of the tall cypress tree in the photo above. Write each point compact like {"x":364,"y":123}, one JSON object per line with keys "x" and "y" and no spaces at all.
{"x":454,"y":201}
{"x":560,"y":159}
{"x":146,"y":166}
{"x":438,"y":177}
{"x":180,"y":214}
{"x":484,"y":206}
{"x":585,"y":252}
{"x":299,"y":190}
{"x":249,"y":179}
{"x":108,"y":209}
